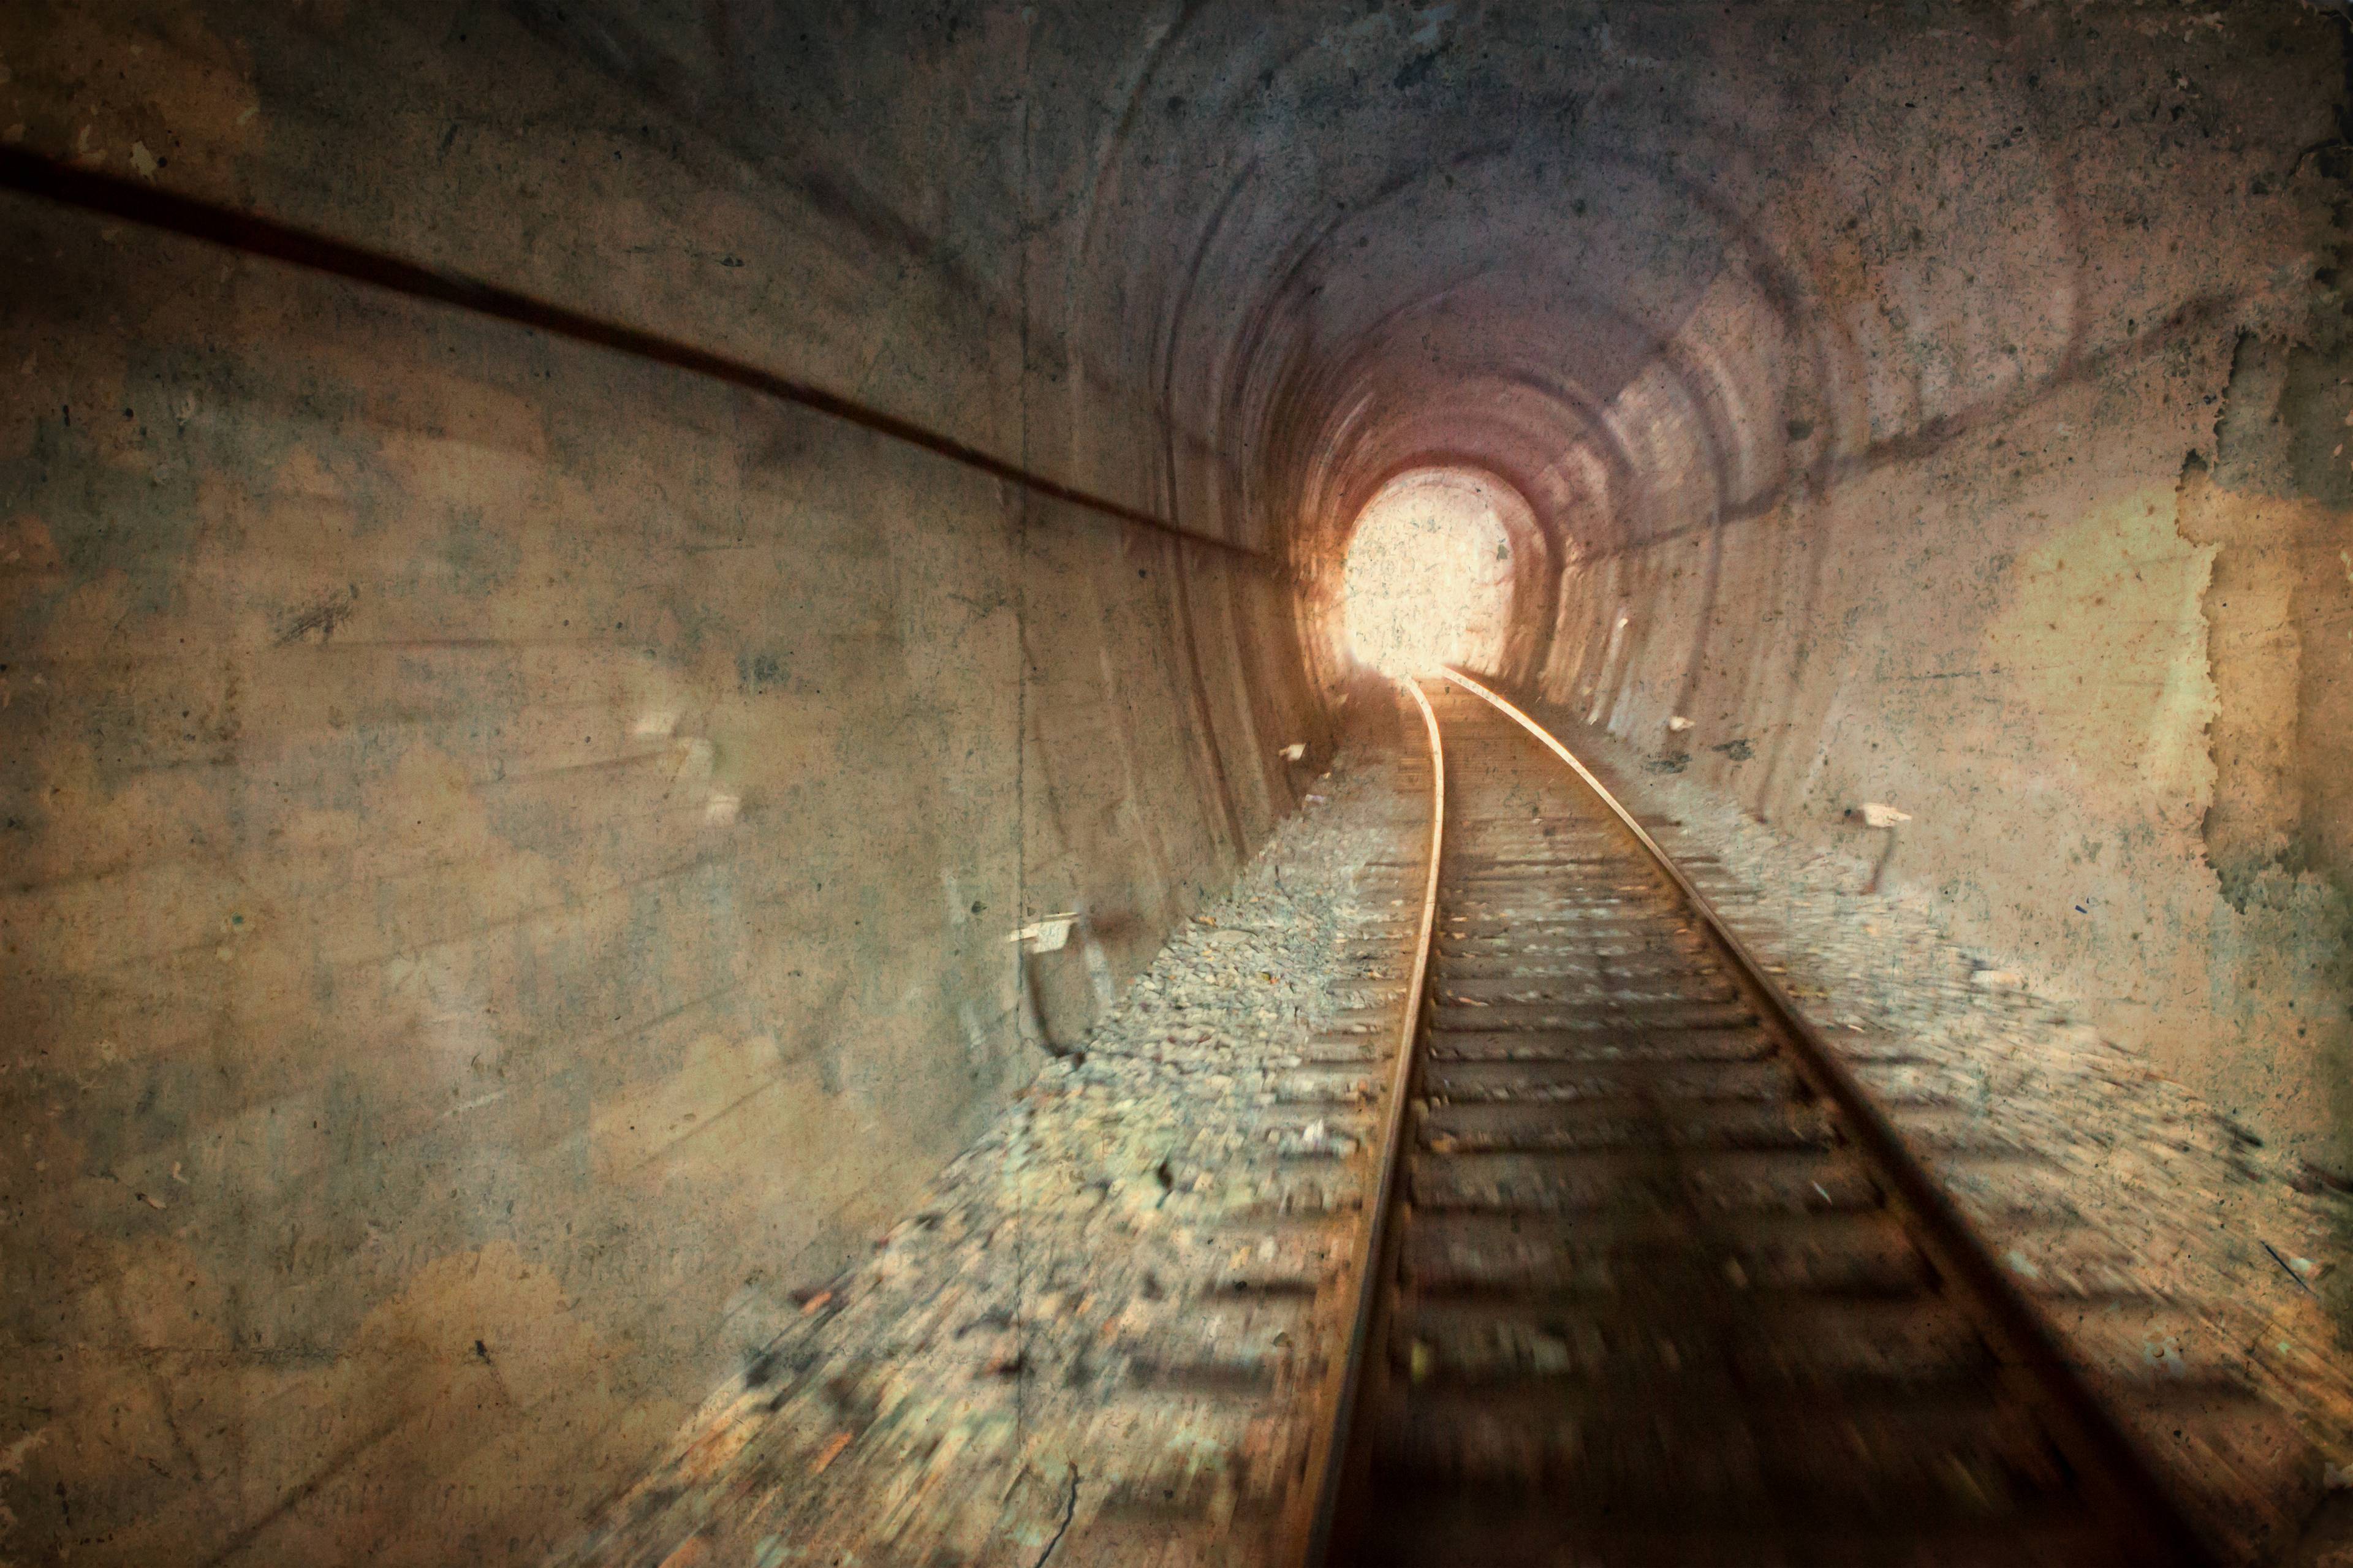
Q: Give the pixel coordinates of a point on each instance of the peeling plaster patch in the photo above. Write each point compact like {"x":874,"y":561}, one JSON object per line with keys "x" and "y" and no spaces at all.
{"x":2106,"y":638}
{"x":194,"y":97}
{"x":12,"y":1463}
{"x":13,"y":1457}
{"x":2255,"y":653}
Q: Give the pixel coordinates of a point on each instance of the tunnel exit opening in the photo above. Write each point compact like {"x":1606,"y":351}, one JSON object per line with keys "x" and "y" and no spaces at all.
{"x":1429,"y":576}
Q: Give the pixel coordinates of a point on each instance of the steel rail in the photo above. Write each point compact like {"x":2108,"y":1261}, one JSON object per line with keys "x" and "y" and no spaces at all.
{"x":1308,"y":1528}
{"x":2119,"y":1481}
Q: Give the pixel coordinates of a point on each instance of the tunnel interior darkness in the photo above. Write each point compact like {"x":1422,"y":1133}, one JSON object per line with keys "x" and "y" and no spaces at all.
{"x":951,"y":422}
{"x":1430,"y":572}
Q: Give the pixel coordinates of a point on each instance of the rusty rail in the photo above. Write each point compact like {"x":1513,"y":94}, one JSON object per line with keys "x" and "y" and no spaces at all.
{"x":1308,"y":1527}
{"x":2117,"y":1486}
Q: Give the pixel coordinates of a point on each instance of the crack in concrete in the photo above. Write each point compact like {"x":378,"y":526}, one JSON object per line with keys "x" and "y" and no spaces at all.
{"x":1069,"y":1511}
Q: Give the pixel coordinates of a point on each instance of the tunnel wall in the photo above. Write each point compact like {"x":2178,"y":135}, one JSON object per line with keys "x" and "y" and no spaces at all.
{"x":2040,"y":536}
{"x":1934,"y":408}
{"x":1946,"y":396}
{"x":509,"y":846}
{"x":2110,"y":695}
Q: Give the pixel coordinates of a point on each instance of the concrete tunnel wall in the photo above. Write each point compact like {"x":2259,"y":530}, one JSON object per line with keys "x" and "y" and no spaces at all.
{"x":509,"y":844}
{"x":511,"y":847}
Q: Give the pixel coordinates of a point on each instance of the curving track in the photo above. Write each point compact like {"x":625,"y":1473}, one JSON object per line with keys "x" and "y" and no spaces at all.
{"x":1651,"y":1281}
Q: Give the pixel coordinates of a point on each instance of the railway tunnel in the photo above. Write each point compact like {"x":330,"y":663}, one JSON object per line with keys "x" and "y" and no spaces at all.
{"x":629,"y":625}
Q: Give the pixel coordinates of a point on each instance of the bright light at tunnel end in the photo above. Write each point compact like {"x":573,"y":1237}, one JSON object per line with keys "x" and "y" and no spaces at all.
{"x":1428,"y":582}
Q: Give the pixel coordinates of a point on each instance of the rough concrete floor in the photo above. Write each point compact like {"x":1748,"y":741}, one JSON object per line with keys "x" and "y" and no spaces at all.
{"x":1086,"y":1344}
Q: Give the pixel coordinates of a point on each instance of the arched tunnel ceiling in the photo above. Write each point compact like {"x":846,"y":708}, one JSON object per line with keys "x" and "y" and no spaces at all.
{"x":1648,"y":262}
{"x":1645,"y":263}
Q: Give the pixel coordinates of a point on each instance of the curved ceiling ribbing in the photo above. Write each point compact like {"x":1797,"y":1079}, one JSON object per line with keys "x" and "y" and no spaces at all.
{"x":1422,"y":233}
{"x":1650,"y":264}
{"x":1657,"y":265}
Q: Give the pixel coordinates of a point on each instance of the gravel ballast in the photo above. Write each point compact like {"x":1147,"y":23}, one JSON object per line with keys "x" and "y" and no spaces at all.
{"x":1090,"y":1341}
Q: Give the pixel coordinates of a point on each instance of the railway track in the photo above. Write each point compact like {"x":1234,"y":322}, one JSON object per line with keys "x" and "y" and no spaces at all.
{"x":1650,"y":1280}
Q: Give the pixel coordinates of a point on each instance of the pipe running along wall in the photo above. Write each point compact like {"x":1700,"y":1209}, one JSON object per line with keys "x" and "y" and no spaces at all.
{"x":511,"y":833}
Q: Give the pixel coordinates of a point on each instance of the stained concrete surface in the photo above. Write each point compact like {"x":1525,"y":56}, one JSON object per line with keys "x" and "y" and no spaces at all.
{"x":462,"y":840}
{"x":508,"y":847}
